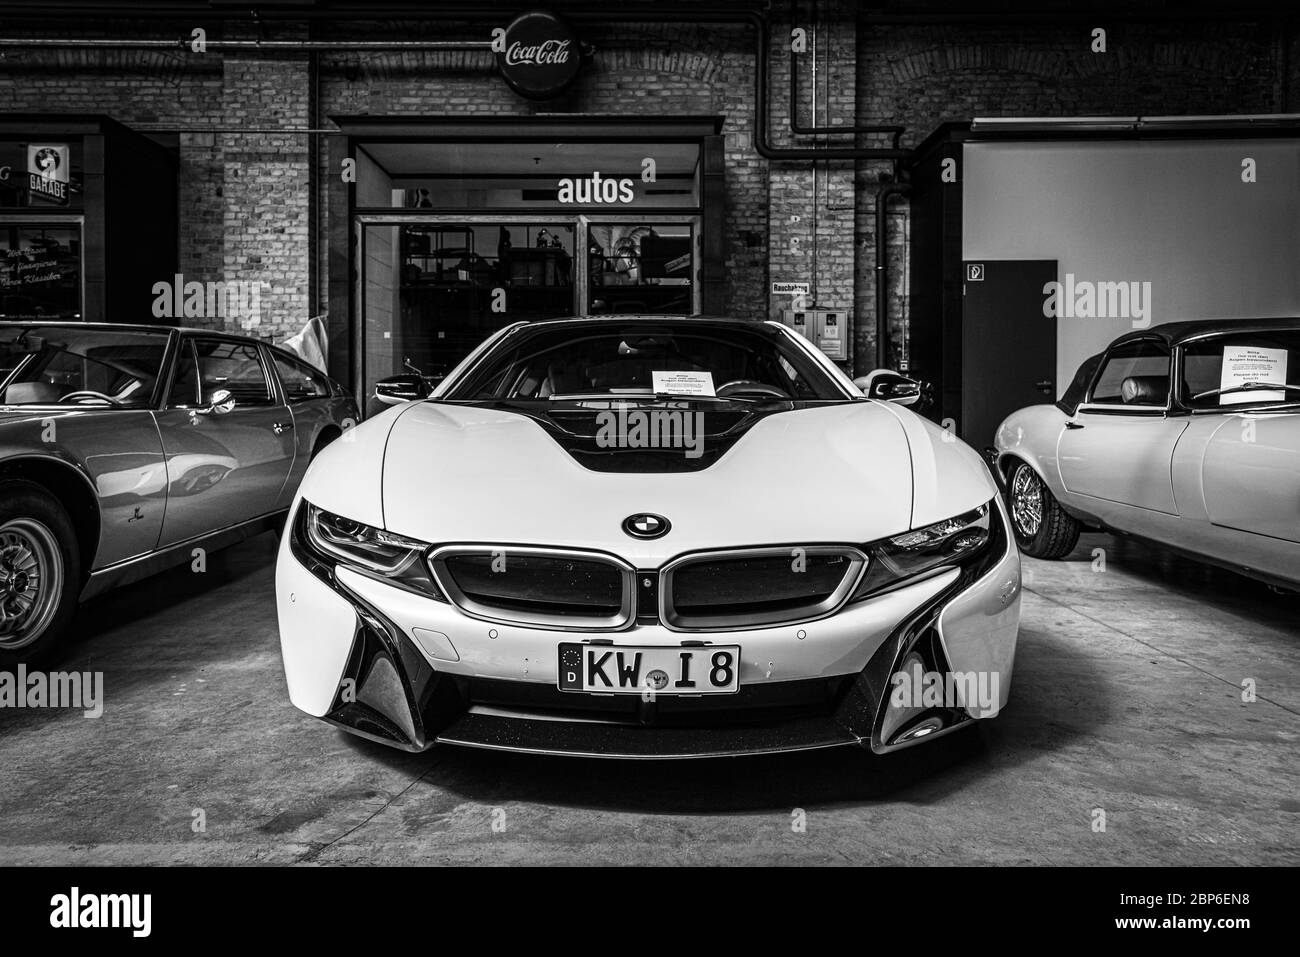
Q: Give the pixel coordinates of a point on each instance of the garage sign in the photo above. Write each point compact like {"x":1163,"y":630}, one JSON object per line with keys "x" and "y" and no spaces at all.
{"x":47,"y":172}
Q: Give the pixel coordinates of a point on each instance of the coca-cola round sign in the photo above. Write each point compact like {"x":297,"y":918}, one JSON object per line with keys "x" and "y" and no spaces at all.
{"x":539,"y":55}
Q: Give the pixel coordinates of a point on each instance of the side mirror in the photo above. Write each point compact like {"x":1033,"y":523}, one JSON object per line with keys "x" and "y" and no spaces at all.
{"x":889,"y":386}
{"x":404,"y":388}
{"x":219,"y":403}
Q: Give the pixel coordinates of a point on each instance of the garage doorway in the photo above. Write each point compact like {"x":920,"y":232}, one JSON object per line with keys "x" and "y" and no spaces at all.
{"x":473,"y":226}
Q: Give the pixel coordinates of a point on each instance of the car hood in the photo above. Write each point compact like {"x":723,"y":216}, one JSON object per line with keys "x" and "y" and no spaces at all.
{"x":840,"y":473}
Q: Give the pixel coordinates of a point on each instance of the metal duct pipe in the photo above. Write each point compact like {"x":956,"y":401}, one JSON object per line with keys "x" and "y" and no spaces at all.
{"x":251,"y":13}
{"x":96,"y":43}
{"x":763,"y":145}
{"x":882,"y":268}
{"x":895,"y":131}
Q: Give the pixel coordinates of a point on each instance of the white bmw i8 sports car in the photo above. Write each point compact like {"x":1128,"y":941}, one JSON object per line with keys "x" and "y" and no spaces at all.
{"x":649,"y":537}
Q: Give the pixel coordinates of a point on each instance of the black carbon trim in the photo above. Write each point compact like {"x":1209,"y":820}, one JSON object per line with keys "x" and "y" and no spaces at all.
{"x":629,"y":742}
{"x":577,"y":431}
{"x":862,"y":709}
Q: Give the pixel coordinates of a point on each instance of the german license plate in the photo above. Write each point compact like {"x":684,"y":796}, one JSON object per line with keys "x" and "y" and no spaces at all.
{"x":631,"y":669}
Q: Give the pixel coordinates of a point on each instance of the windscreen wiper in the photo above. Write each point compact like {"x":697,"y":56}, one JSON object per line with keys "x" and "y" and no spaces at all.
{"x":641,"y":396}
{"x":1250,"y":387}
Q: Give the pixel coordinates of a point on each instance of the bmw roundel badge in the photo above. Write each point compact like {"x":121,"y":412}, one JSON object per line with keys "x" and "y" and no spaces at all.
{"x":646,"y":525}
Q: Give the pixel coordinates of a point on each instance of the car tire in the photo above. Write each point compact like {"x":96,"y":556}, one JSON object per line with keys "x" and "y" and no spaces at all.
{"x":1042,"y":528}
{"x":40,"y":573}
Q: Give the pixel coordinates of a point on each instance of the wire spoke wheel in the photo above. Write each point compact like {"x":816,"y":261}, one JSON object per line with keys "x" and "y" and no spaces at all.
{"x":1026,"y":502}
{"x":31,"y":581}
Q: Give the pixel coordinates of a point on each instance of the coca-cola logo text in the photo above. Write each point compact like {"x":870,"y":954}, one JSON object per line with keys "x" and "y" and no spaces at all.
{"x":539,"y":54}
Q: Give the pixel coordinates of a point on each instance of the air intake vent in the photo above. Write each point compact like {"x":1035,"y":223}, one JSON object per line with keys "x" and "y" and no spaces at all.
{"x":757,"y":587}
{"x":551,"y":588}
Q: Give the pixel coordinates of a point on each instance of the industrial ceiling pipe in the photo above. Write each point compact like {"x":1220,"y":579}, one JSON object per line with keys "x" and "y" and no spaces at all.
{"x":96,"y":43}
{"x":252,"y":12}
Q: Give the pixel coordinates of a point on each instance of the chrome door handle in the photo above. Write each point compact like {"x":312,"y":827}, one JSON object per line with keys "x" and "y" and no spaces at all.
{"x":282,"y":427}
{"x":1074,"y":425}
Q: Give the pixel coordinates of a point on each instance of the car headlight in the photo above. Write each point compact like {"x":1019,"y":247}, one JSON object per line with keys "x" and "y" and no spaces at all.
{"x":949,"y":543}
{"x":370,"y":551}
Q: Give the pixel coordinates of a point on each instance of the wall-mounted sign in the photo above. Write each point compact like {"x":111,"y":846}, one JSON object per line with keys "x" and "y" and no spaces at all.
{"x":791,"y":288}
{"x":539,"y":55}
{"x":47,"y":172}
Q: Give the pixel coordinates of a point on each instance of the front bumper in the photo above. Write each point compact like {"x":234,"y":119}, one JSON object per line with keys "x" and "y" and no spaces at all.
{"x":411,"y":672}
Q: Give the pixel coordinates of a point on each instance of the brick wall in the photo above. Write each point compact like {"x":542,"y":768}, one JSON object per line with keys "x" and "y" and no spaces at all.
{"x":266,"y":187}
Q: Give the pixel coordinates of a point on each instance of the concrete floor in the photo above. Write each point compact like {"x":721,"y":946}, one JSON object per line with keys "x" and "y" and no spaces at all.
{"x":1127,"y":697}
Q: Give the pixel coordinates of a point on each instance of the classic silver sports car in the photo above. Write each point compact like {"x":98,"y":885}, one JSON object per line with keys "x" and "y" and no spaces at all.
{"x":1186,"y":433}
{"x":124,"y":448}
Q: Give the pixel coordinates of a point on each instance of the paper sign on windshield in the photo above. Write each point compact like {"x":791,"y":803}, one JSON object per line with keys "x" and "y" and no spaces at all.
{"x":1242,"y":364}
{"x":683,"y":383}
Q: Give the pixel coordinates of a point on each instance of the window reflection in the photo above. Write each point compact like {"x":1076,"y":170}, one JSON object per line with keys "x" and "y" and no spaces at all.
{"x":640,"y":267}
{"x":40,"y":271}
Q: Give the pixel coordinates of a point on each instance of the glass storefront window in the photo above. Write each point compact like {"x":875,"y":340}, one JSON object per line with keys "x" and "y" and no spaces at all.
{"x":458,"y":239}
{"x":40,"y":271}
{"x":640,"y":267}
{"x":432,"y":291}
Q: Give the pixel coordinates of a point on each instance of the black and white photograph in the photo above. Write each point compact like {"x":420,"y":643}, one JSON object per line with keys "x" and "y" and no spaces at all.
{"x":649,"y":434}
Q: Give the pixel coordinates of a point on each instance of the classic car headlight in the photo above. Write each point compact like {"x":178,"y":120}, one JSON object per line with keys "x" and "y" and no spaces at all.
{"x":370,"y":551}
{"x":954,"y":541}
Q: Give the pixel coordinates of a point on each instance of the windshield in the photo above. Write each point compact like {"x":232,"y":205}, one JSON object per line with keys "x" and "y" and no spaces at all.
{"x":59,"y":365}
{"x":690,"y":359}
{"x":1244,"y":368}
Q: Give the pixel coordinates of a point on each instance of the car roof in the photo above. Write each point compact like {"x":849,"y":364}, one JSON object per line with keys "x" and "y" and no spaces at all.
{"x":619,"y":318}
{"x":98,"y":326}
{"x":1175,"y":333}
{"x":135,"y":327}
